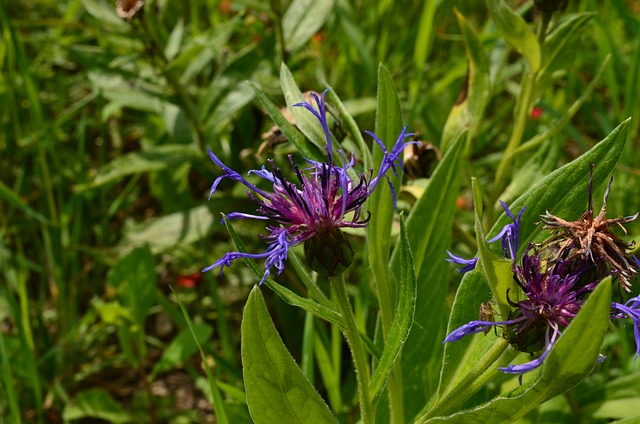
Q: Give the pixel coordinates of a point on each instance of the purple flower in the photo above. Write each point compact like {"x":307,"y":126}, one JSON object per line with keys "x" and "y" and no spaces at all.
{"x":510,"y":244}
{"x":314,"y":206}
{"x":467,"y":264}
{"x":631,"y":309}
{"x":509,"y":233}
{"x":553,"y":297}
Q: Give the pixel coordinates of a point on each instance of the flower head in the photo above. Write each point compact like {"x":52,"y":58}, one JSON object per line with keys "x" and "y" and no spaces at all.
{"x":313,"y":207}
{"x":591,"y":238}
{"x":553,"y":296}
{"x":556,"y":277}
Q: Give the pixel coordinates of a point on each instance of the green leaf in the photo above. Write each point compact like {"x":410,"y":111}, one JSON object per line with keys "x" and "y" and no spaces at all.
{"x":156,"y":158}
{"x":169,"y":231}
{"x":276,"y":388}
{"x":14,"y":200}
{"x":556,"y":42}
{"x":425,"y":34}
{"x":305,"y":121}
{"x":175,"y":40}
{"x":302,"y":19}
{"x":632,"y":420}
{"x":223,"y":112}
{"x":515,"y":30}
{"x":306,"y":148}
{"x":352,"y":126}
{"x":403,"y":317}
{"x":95,"y":403}
{"x":112,"y":312}
{"x":429,"y":236}
{"x":134,"y":276}
{"x":8,"y":382}
{"x":571,"y":359}
{"x":467,"y":114}
{"x":497,"y":271}
{"x":215,"y":396}
{"x":565,"y":190}
{"x":106,"y":13}
{"x":181,"y":348}
{"x":380,"y":204}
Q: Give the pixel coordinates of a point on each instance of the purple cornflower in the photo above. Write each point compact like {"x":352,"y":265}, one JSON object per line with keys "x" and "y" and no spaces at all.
{"x":510,"y":244}
{"x":631,"y":309}
{"x":557,"y":278}
{"x":553,"y":298}
{"x":312,"y":209}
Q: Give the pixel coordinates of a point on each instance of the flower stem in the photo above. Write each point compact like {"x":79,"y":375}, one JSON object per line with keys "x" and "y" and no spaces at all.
{"x":523,"y":106}
{"x":352,"y":335}
{"x":484,"y":370}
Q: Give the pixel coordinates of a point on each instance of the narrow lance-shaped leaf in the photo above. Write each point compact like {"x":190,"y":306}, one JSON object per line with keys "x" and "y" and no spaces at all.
{"x":403,"y":318}
{"x":276,"y":388}
{"x":466,"y":114}
{"x":516,"y":31}
{"x":305,"y":121}
{"x":497,"y":271}
{"x":216,"y":397}
{"x":304,"y":146}
{"x":556,"y":41}
{"x":302,"y":19}
{"x":388,"y":127}
{"x":429,"y":236}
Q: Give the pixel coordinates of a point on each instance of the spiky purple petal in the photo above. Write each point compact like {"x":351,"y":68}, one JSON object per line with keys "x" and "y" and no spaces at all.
{"x":631,"y":309}
{"x":466,"y":264}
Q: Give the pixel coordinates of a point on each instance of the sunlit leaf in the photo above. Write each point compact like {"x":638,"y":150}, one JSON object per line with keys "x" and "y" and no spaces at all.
{"x":403,"y":317}
{"x":96,"y":403}
{"x":302,"y":19}
{"x":516,"y":31}
{"x":276,"y":388}
{"x":432,"y":213}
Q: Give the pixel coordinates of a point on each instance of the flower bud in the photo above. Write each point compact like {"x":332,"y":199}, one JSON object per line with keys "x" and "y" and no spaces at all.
{"x":329,"y":252}
{"x":527,"y":337}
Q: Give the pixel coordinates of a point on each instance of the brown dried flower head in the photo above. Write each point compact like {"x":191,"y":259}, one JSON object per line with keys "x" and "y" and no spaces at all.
{"x":591,"y":238}
{"x":127,"y":9}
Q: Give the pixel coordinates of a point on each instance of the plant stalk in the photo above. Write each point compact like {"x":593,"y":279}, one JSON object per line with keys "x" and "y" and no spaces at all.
{"x":352,"y":336}
{"x":523,"y":106}
{"x":484,"y":371}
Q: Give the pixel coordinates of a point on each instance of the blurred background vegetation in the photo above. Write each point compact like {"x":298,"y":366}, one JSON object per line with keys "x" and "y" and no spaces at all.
{"x":104,"y":176}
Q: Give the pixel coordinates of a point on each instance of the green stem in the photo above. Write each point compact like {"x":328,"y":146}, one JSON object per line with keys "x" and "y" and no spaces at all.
{"x":483,"y":371}
{"x":276,"y":9}
{"x":386,"y":298}
{"x":523,"y":106}
{"x":352,"y":335}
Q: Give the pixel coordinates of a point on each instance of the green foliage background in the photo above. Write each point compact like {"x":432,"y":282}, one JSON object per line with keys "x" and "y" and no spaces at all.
{"x":104,"y":179}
